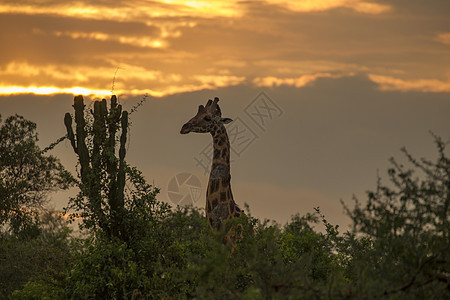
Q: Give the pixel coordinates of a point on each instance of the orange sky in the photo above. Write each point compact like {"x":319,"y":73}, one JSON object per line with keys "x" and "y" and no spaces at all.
{"x":356,"y":80}
{"x":167,"y":47}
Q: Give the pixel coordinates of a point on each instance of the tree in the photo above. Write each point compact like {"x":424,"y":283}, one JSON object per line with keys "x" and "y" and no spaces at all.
{"x":27,"y":175}
{"x":103,"y":203}
{"x":407,"y":223}
{"x":38,"y":263}
{"x":102,"y":173}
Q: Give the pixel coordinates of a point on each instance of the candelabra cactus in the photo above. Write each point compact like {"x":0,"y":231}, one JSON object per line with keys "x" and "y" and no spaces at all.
{"x":102,"y":173}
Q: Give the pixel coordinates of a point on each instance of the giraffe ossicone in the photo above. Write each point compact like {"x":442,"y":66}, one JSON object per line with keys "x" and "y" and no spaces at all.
{"x":220,"y":204}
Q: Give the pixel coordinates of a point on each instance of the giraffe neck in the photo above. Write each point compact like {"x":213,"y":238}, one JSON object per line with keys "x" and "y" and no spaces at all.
{"x":221,"y":147}
{"x":219,"y":177}
{"x":220,"y":204}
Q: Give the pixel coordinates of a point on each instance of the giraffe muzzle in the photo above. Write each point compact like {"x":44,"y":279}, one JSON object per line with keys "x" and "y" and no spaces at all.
{"x":186,"y":128}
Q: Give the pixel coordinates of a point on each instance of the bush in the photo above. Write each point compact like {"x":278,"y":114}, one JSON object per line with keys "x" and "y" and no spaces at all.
{"x":38,"y":262}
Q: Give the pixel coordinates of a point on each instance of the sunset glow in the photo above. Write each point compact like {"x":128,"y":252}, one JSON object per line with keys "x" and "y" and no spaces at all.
{"x":444,"y":38}
{"x":322,"y":5}
{"x":297,"y":82}
{"x":51,"y":90}
{"x":388,"y":83}
{"x":166,"y":47}
{"x":99,"y":36}
{"x":124,"y":11}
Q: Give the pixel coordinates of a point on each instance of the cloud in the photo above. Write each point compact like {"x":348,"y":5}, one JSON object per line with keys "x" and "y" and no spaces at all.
{"x":219,"y":81}
{"x":322,"y":5}
{"x":138,"y":41}
{"x":271,"y":81}
{"x":42,"y":90}
{"x":165,"y":47}
{"x":443,"y":38}
{"x":388,"y":83}
{"x":125,"y":11}
{"x":33,"y":73}
{"x":87,"y":80}
{"x":385,"y":83}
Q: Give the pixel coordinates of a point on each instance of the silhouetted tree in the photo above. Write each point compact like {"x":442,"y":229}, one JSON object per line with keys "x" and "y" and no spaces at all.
{"x":27,"y":175}
{"x":407,"y":223}
{"x":102,"y":172}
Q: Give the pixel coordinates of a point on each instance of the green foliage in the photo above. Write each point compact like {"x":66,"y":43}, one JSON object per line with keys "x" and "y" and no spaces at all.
{"x":408,"y":225}
{"x":26,"y":176}
{"x":106,"y":269}
{"x":39,"y":290}
{"x":40,"y":260}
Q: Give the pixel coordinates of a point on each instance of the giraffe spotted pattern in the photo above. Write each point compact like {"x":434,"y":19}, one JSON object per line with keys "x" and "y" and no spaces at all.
{"x":220,"y":204}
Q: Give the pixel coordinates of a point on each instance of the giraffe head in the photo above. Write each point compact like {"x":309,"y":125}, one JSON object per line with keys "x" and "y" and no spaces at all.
{"x":207,"y":119}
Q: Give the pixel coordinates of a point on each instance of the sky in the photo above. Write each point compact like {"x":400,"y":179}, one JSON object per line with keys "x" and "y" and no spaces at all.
{"x":322,"y":92}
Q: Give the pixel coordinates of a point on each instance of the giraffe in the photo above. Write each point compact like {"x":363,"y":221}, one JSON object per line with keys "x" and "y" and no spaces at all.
{"x":220,"y":204}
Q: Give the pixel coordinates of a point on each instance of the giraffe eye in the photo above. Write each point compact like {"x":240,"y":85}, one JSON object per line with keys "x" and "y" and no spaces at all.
{"x":207,"y":118}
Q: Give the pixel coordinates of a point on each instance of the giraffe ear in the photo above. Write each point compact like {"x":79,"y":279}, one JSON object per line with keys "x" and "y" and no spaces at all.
{"x":226,"y":120}
{"x":201,"y":108}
